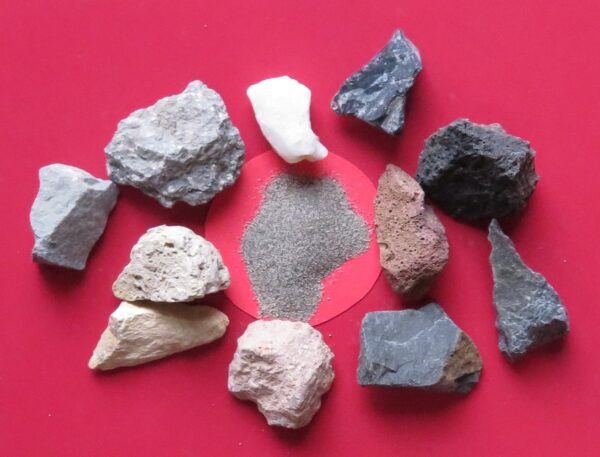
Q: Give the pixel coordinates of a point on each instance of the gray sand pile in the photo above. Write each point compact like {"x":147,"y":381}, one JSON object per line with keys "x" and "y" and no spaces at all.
{"x":304,"y":230}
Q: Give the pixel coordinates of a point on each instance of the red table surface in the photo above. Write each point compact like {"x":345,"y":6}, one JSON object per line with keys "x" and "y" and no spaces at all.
{"x":70,"y":70}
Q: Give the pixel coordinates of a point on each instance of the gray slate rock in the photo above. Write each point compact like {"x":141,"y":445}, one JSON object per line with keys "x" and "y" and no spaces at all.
{"x":529,"y":311}
{"x":182,"y":148}
{"x":377,"y":93}
{"x":69,"y":215}
{"x":475,"y":171}
{"x":419,"y":348}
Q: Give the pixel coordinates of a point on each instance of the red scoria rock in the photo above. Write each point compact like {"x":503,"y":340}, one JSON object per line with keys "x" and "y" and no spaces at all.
{"x":412,"y":241}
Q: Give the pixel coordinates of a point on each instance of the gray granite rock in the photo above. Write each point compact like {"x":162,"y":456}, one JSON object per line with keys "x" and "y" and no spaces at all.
{"x":475,"y":171}
{"x":182,"y":148}
{"x":420,"y":348}
{"x":529,"y":311}
{"x":377,"y":93}
{"x":69,"y":215}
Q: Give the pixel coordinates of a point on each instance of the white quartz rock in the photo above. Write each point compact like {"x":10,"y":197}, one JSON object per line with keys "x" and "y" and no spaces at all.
{"x":171,"y":264}
{"x":282,"y":109}
{"x":285,"y":368}
{"x":141,"y":332}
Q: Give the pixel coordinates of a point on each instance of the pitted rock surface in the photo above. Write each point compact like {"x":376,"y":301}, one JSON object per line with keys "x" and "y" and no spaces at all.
{"x":182,"y":148}
{"x":413,"y":247}
{"x":171,"y":264}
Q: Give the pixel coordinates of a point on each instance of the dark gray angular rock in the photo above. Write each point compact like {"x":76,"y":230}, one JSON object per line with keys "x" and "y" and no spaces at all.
{"x":529,"y":311}
{"x":377,"y":93}
{"x":419,"y":348}
{"x":182,"y":148}
{"x":69,"y":215}
{"x":475,"y":171}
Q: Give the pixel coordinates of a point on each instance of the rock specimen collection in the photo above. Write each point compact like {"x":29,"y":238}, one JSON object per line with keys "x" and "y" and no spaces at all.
{"x":412,"y":241}
{"x":284,"y":367}
{"x":141,"y":332}
{"x":377,"y":93}
{"x":529,"y":311}
{"x":417,"y":348}
{"x":69,"y":214}
{"x":304,"y":229}
{"x":475,"y":171}
{"x":182,"y":148}
{"x":171,"y":264}
{"x":282,"y":109}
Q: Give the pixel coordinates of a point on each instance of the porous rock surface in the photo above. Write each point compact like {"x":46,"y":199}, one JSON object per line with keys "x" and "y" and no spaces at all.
{"x":420,"y":348}
{"x":171,"y":264}
{"x":182,"y":148}
{"x":475,"y":171}
{"x":284,"y":367}
{"x":529,"y":312}
{"x":413,"y":247}
{"x":282,"y":109}
{"x":69,"y":215}
{"x":141,"y":332}
{"x":377,"y":93}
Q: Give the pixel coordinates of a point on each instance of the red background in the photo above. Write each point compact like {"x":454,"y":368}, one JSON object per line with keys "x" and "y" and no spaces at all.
{"x":70,"y":70}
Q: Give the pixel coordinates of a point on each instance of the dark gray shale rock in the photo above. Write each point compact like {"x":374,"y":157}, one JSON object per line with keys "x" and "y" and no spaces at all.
{"x":377,"y":93}
{"x":475,"y":171}
{"x":69,"y":215}
{"x":182,"y":148}
{"x":529,"y":311}
{"x":419,"y":348}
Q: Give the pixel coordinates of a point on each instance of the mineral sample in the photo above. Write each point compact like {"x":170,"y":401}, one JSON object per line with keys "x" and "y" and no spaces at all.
{"x":377,"y":93}
{"x":285,"y":368}
{"x":182,"y":148}
{"x":413,"y":248}
{"x":69,"y":215}
{"x":475,"y":171}
{"x":141,"y":332}
{"x":417,"y":348}
{"x":171,"y":264}
{"x":282,"y":109}
{"x":529,"y":312}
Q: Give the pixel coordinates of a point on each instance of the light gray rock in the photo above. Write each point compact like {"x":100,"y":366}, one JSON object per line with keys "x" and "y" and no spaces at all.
{"x":284,"y":367}
{"x":141,"y":332}
{"x":529,"y":311}
{"x":182,"y":148}
{"x":419,"y":348}
{"x":171,"y":264}
{"x":69,"y":214}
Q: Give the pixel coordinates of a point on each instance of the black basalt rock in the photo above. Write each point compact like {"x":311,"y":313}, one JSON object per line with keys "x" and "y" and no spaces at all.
{"x":419,"y":348}
{"x":377,"y":93}
{"x":529,"y":311}
{"x":477,"y":172}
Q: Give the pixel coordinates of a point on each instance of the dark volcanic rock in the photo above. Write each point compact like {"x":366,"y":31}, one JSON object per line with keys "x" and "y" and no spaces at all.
{"x":475,"y":171}
{"x":417,"y":348}
{"x":413,"y":248}
{"x":377,"y":92}
{"x":529,"y":311}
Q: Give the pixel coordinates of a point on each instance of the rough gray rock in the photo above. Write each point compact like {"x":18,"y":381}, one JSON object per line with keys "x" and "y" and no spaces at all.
{"x":377,"y":93}
{"x":171,"y":264}
{"x":529,"y":312}
{"x":141,"y":332}
{"x":475,"y":171}
{"x":69,"y":214}
{"x":420,"y":348}
{"x":284,"y":367}
{"x":413,"y":247}
{"x":182,"y":148}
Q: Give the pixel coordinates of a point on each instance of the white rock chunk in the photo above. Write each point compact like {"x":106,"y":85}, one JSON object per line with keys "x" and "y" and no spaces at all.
{"x":285,"y":368}
{"x":282,"y":109}
{"x":171,"y":264}
{"x":140,"y":333}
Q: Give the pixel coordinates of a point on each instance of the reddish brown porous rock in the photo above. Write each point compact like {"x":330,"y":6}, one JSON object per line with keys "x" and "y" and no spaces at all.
{"x":412,"y":241}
